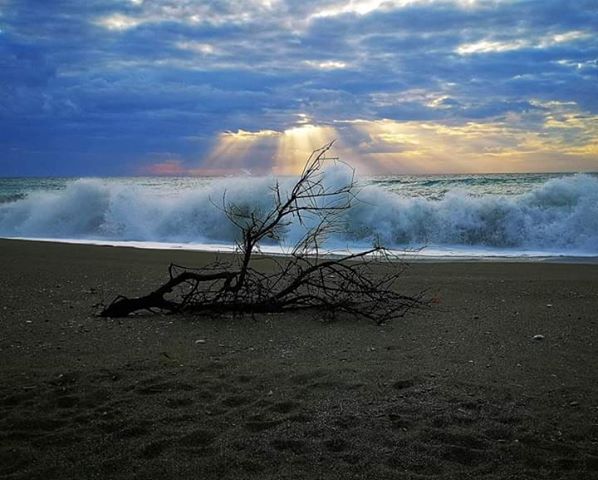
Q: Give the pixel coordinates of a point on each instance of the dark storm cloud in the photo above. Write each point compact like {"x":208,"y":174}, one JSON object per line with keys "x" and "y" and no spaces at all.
{"x":103,"y":86}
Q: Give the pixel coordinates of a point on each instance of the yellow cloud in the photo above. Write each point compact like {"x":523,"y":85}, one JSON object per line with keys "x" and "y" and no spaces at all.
{"x":296,"y":144}
{"x":285,"y":152}
{"x":236,"y":150}
{"x":433,"y":147}
{"x":558,"y":137}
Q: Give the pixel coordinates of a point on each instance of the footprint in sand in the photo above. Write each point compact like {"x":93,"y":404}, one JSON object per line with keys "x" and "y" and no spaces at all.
{"x":175,"y":402}
{"x":197,"y":438}
{"x":261,"y":426}
{"x":284,"y":407}
{"x":132,"y":432}
{"x":336,"y":445}
{"x":303,"y":378}
{"x":403,"y":384}
{"x":235,"y":401}
{"x":13,"y":460}
{"x":153,"y":449}
{"x":295,"y":446}
{"x":165,"y":387}
{"x":13,"y":400}
{"x":67,"y":401}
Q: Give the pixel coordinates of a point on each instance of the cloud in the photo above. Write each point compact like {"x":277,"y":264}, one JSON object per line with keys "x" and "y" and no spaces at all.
{"x":119,"y":21}
{"x":489,"y":46}
{"x":170,"y":168}
{"x":499,"y":146}
{"x":103,"y":86}
{"x":325,"y":65}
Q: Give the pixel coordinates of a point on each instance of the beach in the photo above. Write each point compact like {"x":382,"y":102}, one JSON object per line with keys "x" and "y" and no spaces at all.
{"x":496,"y":379}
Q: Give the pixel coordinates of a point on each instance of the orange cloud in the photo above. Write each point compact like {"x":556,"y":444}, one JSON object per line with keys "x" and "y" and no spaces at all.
{"x":175,"y":168}
{"x":169,"y":168}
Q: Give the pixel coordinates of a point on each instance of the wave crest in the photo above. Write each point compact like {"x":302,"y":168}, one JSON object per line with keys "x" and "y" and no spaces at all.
{"x":559,"y":215}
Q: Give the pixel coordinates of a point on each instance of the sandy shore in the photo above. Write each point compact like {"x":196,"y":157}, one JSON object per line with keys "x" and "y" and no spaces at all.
{"x":458,"y":391}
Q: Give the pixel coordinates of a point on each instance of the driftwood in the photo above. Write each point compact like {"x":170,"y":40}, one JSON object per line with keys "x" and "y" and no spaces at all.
{"x":307,"y":279}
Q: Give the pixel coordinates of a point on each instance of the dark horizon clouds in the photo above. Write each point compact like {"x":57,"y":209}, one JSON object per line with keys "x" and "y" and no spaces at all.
{"x":120,"y":87}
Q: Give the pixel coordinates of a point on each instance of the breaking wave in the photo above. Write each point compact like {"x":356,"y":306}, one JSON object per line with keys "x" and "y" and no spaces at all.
{"x":560,"y":215}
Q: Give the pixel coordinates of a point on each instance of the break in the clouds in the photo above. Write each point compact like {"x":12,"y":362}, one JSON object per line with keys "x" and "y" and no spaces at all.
{"x":172,"y":87}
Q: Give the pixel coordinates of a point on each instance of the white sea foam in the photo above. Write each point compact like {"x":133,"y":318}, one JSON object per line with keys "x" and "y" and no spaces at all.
{"x":559,"y":216}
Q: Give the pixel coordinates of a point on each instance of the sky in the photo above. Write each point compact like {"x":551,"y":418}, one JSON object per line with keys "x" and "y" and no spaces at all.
{"x":186,"y":87}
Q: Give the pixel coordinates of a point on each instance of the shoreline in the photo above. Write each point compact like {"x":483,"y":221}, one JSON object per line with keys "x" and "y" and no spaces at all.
{"x":403,"y":255}
{"x":461,"y":390}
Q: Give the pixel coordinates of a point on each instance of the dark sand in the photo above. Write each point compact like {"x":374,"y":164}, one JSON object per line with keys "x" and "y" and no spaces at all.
{"x":460,"y":391}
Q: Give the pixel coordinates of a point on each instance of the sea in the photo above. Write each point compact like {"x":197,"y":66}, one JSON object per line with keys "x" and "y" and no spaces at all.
{"x":533,"y":216}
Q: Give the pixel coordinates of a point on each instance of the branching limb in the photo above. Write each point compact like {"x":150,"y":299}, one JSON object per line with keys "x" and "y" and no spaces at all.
{"x":306,"y":280}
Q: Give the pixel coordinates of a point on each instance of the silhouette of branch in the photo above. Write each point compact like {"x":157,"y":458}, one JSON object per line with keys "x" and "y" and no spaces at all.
{"x":309,"y":279}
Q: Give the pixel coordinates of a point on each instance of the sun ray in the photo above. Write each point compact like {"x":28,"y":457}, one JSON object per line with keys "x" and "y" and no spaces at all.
{"x":296,"y":144}
{"x":241,"y":150}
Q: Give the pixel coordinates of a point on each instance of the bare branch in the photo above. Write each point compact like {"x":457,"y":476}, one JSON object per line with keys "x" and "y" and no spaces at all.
{"x":308,"y":279}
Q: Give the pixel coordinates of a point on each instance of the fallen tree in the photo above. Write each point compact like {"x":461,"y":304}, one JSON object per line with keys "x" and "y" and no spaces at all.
{"x":308,"y":278}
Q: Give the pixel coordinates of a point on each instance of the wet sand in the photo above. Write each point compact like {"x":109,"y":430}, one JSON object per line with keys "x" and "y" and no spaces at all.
{"x":457,"y":391}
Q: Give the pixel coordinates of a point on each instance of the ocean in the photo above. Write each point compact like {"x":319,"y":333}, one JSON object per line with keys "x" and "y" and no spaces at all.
{"x":497,"y":215}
